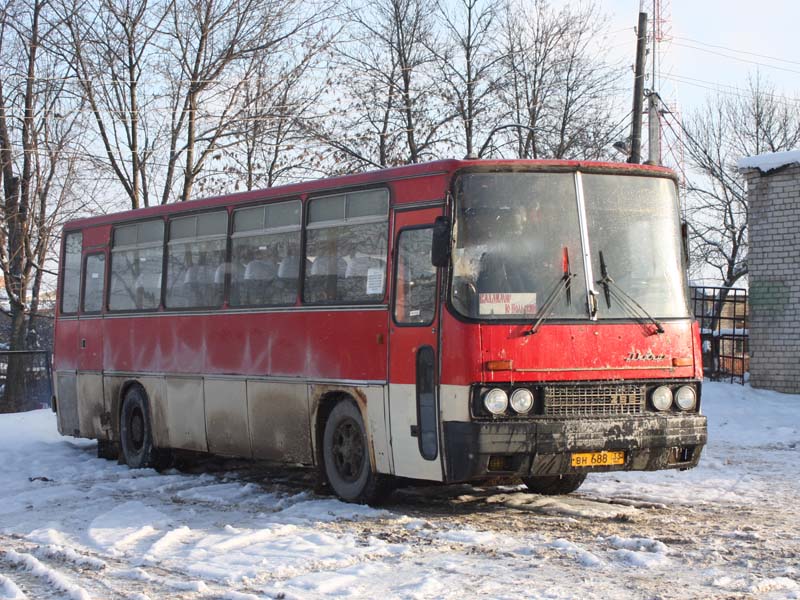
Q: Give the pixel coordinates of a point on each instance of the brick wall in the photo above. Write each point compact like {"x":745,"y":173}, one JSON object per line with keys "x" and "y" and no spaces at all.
{"x":774,"y":274}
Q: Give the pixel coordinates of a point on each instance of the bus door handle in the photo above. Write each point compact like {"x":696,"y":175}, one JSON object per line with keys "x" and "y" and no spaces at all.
{"x":83,"y":343}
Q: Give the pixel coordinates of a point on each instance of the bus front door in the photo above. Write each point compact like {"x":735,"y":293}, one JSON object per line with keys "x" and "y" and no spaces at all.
{"x":414,"y":349}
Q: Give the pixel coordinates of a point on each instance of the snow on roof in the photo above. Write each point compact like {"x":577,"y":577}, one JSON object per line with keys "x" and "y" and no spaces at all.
{"x":769,"y":161}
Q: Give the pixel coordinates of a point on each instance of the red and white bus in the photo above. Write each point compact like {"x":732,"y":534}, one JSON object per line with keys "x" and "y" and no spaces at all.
{"x":450,"y":321}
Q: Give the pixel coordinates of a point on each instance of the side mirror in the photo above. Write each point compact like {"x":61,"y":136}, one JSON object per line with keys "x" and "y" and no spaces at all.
{"x":440,"y":248}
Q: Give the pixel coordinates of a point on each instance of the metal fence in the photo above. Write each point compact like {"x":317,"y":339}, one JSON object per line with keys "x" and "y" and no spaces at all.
{"x":25,"y":379}
{"x":722,"y":315}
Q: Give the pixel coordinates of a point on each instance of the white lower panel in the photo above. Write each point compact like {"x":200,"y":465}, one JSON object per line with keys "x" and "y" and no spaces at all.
{"x":67,"y":403}
{"x":454,"y":402}
{"x":227,"y":427}
{"x":91,"y":405}
{"x":185,"y":414}
{"x":377,"y":427}
{"x":408,"y":461}
{"x":279,"y":421}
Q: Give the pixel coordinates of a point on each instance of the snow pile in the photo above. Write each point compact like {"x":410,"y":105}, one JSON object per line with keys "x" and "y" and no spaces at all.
{"x":769,"y":161}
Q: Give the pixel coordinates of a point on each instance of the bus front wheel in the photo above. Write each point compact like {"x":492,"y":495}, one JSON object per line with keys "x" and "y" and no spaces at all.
{"x":346,"y":459}
{"x":136,"y":433}
{"x":554,"y":485}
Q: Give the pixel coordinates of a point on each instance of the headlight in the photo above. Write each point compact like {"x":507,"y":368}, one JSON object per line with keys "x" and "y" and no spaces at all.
{"x":662,"y":398}
{"x":686,"y":397}
{"x":522,"y":400}
{"x":496,"y":401}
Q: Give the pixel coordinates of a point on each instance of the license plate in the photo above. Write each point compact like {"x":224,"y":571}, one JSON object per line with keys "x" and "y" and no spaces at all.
{"x":598,"y":459}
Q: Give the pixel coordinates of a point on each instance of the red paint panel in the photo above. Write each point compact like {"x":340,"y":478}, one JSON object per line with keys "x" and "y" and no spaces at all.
{"x":589,"y":351}
{"x":418,"y":190}
{"x":65,"y":345}
{"x":96,"y":236}
{"x":320,"y":344}
{"x":461,"y":351}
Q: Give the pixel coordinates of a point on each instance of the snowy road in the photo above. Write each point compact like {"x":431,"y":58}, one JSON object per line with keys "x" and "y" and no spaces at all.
{"x":74,"y":526}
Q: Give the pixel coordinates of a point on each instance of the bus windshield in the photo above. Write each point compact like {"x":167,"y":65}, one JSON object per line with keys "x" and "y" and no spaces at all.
{"x":518,"y":250}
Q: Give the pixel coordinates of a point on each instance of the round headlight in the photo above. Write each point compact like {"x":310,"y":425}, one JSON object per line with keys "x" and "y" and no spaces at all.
{"x":496,"y":401}
{"x":522,"y":400}
{"x":685,"y":397}
{"x":662,"y":398}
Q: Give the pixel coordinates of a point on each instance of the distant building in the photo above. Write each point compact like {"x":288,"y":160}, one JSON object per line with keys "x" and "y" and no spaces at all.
{"x":773,"y":194}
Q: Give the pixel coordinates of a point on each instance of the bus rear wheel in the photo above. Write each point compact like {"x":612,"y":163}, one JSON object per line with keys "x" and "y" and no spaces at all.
{"x":554,"y":485}
{"x":346,"y":458}
{"x":136,"y":433}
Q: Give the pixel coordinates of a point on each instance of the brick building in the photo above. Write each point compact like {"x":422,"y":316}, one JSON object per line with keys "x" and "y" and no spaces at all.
{"x":773,"y":194}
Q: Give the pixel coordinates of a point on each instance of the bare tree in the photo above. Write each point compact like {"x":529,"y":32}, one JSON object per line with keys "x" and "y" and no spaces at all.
{"x":211,"y":46}
{"x":467,"y":62}
{"x":165,"y":80}
{"x":110,"y":46}
{"x":269,"y":140}
{"x":38,"y":124}
{"x":724,"y":130}
{"x":555,"y":82}
{"x":387,"y":110}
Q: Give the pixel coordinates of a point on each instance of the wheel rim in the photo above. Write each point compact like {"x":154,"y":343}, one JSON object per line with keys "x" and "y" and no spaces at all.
{"x":137,"y":429}
{"x":348,"y":450}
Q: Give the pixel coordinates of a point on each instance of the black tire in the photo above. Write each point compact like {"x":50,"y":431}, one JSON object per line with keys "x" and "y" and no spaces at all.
{"x":346,"y":457}
{"x":136,"y":432}
{"x":107,"y":450}
{"x":554,"y":485}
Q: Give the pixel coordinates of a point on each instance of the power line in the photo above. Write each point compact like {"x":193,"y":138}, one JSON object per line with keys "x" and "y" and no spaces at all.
{"x":744,"y":60}
{"x":718,"y":170}
{"x":616,"y":129}
{"x":729,"y":90}
{"x":783,"y":60}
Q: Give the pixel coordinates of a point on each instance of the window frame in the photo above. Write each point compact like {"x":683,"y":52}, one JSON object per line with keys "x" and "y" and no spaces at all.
{"x":106,"y":264}
{"x":329,"y":224}
{"x":226,"y":237}
{"x":395,"y":287}
{"x":63,"y":273}
{"x":164,"y":219}
{"x":232,"y":235}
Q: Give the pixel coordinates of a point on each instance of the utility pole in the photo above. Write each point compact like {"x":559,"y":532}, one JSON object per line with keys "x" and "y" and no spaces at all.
{"x":638,"y":90}
{"x":653,"y":129}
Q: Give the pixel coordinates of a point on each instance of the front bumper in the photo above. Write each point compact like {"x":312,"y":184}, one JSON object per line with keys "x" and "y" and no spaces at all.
{"x":544,"y":446}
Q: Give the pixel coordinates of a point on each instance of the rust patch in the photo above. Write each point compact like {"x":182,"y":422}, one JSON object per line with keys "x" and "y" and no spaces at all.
{"x":318,"y":392}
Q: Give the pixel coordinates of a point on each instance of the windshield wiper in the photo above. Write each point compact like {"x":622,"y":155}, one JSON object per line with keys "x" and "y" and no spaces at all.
{"x":562,"y":285}
{"x":625,"y":300}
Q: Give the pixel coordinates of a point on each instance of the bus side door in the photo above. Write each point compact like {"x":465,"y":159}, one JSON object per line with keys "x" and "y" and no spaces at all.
{"x":414,"y":348}
{"x":92,"y":409}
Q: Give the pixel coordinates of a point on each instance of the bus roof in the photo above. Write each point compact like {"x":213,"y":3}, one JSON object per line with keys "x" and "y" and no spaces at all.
{"x":361,"y":179}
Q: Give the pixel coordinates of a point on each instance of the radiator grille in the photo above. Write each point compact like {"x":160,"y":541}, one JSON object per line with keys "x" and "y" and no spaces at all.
{"x":593,"y":401}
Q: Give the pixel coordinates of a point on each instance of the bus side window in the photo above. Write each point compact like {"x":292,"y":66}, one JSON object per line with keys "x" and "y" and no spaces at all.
{"x":93,"y":282}
{"x":136,"y":265}
{"x":71,"y":277}
{"x":265,"y":254}
{"x":415,"y":290}
{"x":195,"y":253}
{"x":346,"y":245}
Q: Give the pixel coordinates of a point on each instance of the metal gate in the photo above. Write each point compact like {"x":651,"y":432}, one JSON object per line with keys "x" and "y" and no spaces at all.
{"x":722,"y":315}
{"x":25,"y":378}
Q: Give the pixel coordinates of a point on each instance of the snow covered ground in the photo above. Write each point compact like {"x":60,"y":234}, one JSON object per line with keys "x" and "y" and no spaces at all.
{"x":75,"y":526}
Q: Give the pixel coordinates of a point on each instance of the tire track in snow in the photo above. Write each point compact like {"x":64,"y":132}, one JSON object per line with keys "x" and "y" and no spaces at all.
{"x":9,"y":590}
{"x":106,"y":578}
{"x":58,"y":580}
